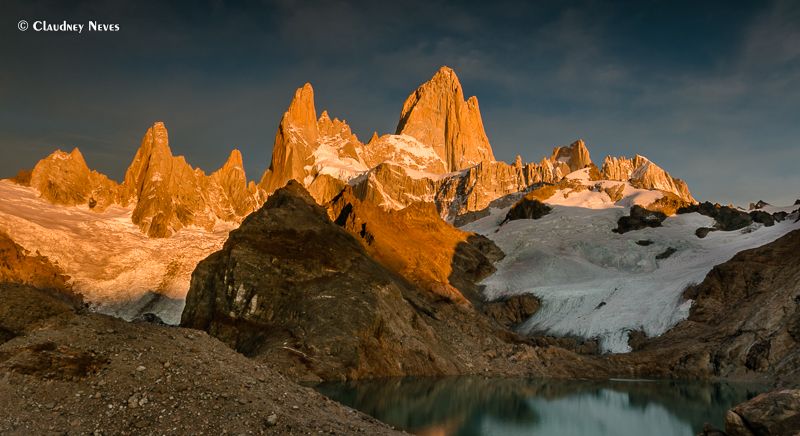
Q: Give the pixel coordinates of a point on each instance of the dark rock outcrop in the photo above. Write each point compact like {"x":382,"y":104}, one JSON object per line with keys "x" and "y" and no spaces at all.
{"x":759,"y":216}
{"x":528,"y":208}
{"x":666,"y":253}
{"x":702,"y":232}
{"x":638,"y":219}
{"x":727,"y":218}
{"x":292,"y":287}
{"x":772,"y":413}
{"x":512,"y":311}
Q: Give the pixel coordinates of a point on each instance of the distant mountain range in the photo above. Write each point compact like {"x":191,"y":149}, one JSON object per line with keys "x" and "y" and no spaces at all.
{"x":438,"y":154}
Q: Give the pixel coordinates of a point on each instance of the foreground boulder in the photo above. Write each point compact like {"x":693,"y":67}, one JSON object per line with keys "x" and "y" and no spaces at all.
{"x":293,"y":288}
{"x":772,"y":413}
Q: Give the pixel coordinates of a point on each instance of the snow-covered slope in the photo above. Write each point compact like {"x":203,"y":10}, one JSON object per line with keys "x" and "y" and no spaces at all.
{"x":596,"y":283}
{"x":111,"y":262}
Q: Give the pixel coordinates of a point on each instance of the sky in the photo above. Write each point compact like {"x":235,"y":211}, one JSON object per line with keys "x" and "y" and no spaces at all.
{"x":708,"y":90}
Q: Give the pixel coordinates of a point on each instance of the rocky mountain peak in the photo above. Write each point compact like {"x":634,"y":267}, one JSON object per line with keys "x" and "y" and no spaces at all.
{"x":314,"y":151}
{"x":170,"y":194}
{"x":65,"y":178}
{"x":301,"y":113}
{"x":576,"y":155}
{"x":235,"y":161}
{"x":641,"y":172}
{"x":294,"y":141}
{"x":153,"y":155}
{"x":436,"y":114}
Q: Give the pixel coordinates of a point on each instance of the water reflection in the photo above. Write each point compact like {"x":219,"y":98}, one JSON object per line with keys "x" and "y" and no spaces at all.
{"x":510,"y":406}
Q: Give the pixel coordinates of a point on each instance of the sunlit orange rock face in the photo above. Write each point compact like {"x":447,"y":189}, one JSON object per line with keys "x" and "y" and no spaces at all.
{"x":170,"y":194}
{"x":65,"y":179}
{"x":576,"y":156}
{"x":413,"y":242}
{"x":21,"y":267}
{"x":437,"y":114}
{"x":306,"y":147}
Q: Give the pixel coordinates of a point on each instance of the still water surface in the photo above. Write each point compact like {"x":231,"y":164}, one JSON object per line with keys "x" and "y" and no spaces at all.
{"x":512,"y":406}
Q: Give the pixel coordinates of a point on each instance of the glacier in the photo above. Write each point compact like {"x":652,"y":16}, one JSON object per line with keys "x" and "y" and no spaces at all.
{"x":594,"y":283}
{"x":117,"y":268}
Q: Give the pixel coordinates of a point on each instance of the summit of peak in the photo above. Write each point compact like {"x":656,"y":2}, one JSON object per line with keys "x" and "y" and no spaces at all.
{"x":234,"y":159}
{"x":437,"y":115}
{"x":575,"y":155}
{"x":301,"y":112}
{"x":445,"y":72}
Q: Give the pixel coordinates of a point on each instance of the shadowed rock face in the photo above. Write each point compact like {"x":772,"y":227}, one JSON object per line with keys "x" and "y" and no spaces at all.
{"x":512,"y":311}
{"x":290,"y":282}
{"x":31,"y":289}
{"x":294,"y":288}
{"x":638,"y":219}
{"x":528,"y":208}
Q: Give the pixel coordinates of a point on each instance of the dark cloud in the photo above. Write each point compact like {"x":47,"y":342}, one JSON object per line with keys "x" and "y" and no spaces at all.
{"x":709,"y":90}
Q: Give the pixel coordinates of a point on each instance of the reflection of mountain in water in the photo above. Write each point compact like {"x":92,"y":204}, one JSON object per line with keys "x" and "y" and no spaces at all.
{"x":475,"y":405}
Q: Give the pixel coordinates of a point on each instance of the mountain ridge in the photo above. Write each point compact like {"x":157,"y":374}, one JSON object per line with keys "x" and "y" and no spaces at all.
{"x":439,"y":154}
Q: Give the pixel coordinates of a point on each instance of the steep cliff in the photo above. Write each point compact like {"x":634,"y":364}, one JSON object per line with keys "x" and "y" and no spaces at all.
{"x":437,"y":114}
{"x":168,"y":194}
{"x":307,"y":148}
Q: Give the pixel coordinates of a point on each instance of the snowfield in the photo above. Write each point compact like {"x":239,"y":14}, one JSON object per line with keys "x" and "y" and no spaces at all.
{"x":594,"y":283}
{"x":119,"y":270}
